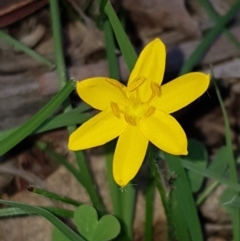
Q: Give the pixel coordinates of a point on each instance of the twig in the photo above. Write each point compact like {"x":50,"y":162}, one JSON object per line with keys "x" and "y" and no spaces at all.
{"x":30,"y":177}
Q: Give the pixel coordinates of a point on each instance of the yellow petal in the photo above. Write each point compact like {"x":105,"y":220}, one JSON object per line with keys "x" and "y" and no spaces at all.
{"x":99,"y":92}
{"x":150,"y":65}
{"x":164,"y":132}
{"x":97,"y":131}
{"x":182,"y":91}
{"x":129,"y":155}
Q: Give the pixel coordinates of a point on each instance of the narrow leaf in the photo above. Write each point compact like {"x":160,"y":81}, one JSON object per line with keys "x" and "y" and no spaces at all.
{"x":209,"y":38}
{"x":26,"y":129}
{"x":184,"y":197}
{"x":49,"y":216}
{"x":127,"y":50}
{"x":231,"y":163}
{"x":18,"y":45}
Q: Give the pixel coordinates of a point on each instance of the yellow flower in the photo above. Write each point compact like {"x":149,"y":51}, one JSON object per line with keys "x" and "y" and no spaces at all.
{"x":137,"y":113}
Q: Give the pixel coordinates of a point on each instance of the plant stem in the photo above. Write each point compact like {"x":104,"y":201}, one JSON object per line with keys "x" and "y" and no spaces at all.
{"x":87,"y":180}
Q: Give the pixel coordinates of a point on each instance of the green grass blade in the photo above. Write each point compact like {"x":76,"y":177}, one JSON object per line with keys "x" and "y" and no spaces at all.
{"x":231,"y":162}
{"x":17,"y":212}
{"x":180,"y":229}
{"x":148,"y":226}
{"x":110,"y":48}
{"x":60,"y":212}
{"x":102,"y":4}
{"x":113,"y":73}
{"x":86,"y":177}
{"x":125,"y":209}
{"x":113,"y":187}
{"x":209,"y":38}
{"x":88,"y":182}
{"x":26,"y":129}
{"x":49,"y":216}
{"x":128,"y":198}
{"x":58,"y":50}
{"x":234,"y":203}
{"x":18,"y":45}
{"x":210,"y":174}
{"x":73,"y":117}
{"x":231,"y":159}
{"x":215,"y":16}
{"x":13,"y":212}
{"x":127,"y":50}
{"x":57,"y":39}
{"x":54,"y":196}
{"x":82,"y":177}
{"x":206,"y":193}
{"x":115,"y":193}
{"x":184,"y":197}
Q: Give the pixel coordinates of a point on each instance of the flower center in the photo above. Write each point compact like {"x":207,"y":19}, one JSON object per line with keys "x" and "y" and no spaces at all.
{"x":136,"y":109}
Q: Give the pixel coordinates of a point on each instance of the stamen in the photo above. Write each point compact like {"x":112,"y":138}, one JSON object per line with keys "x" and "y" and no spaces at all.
{"x":115,"y":83}
{"x":115,"y":109}
{"x":136,"y":83}
{"x":118,"y":85}
{"x":155,"y":88}
{"x":155,"y":91}
{"x":150,"y":111}
{"x":130,"y":119}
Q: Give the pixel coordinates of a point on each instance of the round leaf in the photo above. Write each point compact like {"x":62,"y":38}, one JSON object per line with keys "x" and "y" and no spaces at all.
{"x":108,"y":228}
{"x":86,"y":220}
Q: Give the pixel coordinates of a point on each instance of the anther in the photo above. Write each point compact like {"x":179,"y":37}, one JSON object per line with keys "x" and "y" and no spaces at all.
{"x":115,"y":83}
{"x":150,"y":111}
{"x":136,"y":83}
{"x":115,"y":109}
{"x":155,"y":88}
{"x":118,"y":85}
{"x":130,"y":120}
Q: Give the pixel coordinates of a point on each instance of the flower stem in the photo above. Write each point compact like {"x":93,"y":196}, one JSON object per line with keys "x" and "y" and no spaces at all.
{"x":158,"y":182}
